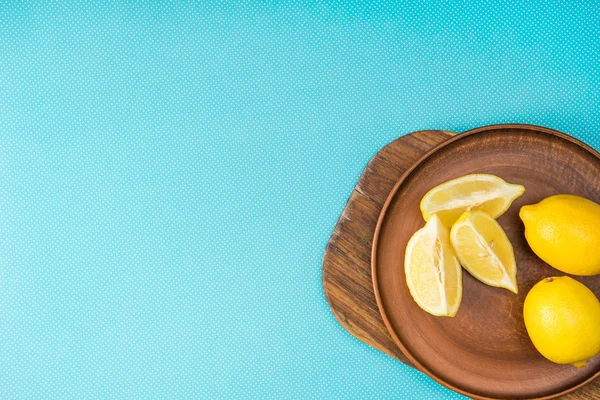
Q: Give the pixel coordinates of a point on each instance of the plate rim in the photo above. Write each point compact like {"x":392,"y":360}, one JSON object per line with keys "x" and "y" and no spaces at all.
{"x":381,"y":218}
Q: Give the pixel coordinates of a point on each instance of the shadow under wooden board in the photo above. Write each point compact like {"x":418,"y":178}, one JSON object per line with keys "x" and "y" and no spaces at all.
{"x":347,"y":260}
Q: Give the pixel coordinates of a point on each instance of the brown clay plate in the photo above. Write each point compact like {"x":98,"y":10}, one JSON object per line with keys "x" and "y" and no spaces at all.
{"x":484,"y":351}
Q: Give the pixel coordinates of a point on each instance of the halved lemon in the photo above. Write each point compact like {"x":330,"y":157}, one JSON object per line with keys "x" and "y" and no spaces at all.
{"x":433,"y":274}
{"x":483,"y":248}
{"x":484,"y":192}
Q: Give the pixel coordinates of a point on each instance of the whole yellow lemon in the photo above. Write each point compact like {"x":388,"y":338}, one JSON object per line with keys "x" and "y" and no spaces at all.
{"x":562,"y":317}
{"x":564,"y":231}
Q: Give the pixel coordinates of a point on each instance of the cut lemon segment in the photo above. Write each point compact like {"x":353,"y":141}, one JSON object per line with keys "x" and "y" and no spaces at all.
{"x":484,"y":250}
{"x":433,"y":274}
{"x":484,"y":192}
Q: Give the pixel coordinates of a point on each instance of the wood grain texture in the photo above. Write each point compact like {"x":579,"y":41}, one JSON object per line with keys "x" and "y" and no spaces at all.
{"x":347,"y":260}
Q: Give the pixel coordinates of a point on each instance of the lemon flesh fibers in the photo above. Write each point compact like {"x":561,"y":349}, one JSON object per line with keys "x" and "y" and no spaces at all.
{"x":564,"y":231}
{"x":433,"y":274}
{"x":483,"y":248}
{"x":562,"y":317}
{"x":484,"y":192}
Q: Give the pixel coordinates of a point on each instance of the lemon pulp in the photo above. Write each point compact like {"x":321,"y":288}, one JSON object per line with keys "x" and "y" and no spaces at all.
{"x":433,"y":274}
{"x":483,"y":248}
{"x":484,"y":192}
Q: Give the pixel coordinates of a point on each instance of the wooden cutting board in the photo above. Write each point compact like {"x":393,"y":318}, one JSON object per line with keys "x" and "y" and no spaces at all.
{"x":347,"y":260}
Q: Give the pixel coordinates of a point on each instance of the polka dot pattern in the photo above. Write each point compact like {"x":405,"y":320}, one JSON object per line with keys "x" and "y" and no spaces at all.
{"x":170,"y":173}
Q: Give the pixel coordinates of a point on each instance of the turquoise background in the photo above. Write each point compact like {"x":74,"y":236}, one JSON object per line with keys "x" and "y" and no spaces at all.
{"x":170,"y":173}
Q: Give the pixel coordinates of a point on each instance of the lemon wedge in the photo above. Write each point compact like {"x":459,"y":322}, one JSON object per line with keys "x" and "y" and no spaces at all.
{"x":433,"y":274}
{"x":484,"y":192}
{"x":483,"y":248}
